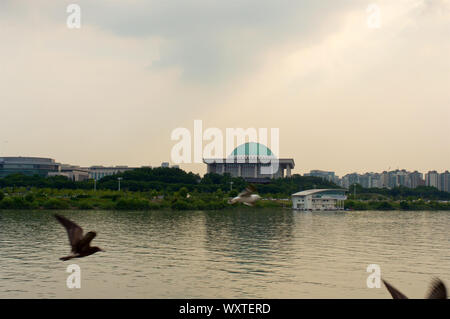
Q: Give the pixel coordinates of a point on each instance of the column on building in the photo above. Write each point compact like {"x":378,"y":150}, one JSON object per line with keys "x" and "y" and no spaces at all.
{"x":288,"y":172}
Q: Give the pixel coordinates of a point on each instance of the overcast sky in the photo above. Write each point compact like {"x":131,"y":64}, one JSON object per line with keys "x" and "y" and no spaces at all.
{"x":345,"y":97}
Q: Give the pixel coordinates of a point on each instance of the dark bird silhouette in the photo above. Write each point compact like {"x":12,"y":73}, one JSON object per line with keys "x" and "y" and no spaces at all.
{"x":437,"y":290}
{"x":80,"y":244}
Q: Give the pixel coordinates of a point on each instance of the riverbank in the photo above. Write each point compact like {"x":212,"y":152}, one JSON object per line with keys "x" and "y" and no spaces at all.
{"x":36,"y":199}
{"x":121,"y":200}
{"x":407,"y":205}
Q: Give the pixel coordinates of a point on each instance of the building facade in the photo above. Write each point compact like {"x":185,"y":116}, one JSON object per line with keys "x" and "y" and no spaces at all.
{"x":432,"y":179}
{"x":328,"y":176}
{"x":319,"y":199}
{"x":28,"y":166}
{"x":98,"y":172}
{"x":444,"y":181}
{"x":74,"y":173}
{"x":253,"y":162}
{"x":391,"y":179}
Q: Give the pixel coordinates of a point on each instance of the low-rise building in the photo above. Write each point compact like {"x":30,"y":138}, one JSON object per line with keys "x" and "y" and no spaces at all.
{"x":74,"y":173}
{"x":27,"y":165}
{"x":98,"y":172}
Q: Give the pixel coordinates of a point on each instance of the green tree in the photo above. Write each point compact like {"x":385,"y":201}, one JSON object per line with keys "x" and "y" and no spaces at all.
{"x":29,"y":197}
{"x":233,"y":193}
{"x":404,"y":205}
{"x":183,"y":192}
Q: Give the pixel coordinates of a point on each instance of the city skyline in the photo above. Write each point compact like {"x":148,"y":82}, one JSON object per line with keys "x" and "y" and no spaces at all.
{"x":46,"y":166}
{"x":345,"y":96}
{"x":388,"y":179}
{"x":201,"y":168}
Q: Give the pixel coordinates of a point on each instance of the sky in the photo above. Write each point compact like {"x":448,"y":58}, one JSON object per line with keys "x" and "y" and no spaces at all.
{"x":346,"y":96}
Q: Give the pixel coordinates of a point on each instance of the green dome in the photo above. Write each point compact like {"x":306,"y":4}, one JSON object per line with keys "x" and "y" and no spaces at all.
{"x":251,"y":149}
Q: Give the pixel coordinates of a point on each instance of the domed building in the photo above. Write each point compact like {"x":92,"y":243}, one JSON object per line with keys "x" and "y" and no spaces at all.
{"x":254,"y":162}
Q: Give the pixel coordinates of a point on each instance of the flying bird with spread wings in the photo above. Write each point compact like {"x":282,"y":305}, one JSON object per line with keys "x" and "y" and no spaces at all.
{"x":246,"y":197}
{"x":437,"y":290}
{"x":80,"y":244}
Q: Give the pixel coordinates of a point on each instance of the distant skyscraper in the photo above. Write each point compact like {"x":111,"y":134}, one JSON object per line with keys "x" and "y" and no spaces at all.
{"x":384,"y":179}
{"x":415,"y":179}
{"x":432,"y":179}
{"x":391,"y":179}
{"x":444,"y":179}
{"x":350,"y":179}
{"x":329,"y":176}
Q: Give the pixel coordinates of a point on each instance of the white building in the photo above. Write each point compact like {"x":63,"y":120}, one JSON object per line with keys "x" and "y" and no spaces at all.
{"x":319,"y":199}
{"x":98,"y":172}
{"x":74,"y":173}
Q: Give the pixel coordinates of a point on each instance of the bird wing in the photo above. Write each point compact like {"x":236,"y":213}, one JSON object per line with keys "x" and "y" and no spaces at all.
{"x":244,"y":193}
{"x":394,"y":292}
{"x":247,"y":192}
{"x":74,"y":231}
{"x":87,"y":239}
{"x":437,"y":290}
{"x":84,"y":243}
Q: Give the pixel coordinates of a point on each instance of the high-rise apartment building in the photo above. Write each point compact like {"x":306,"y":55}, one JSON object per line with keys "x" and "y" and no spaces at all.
{"x":432,"y":179}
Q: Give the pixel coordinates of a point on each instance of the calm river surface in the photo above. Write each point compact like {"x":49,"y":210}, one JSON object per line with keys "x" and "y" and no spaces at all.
{"x":227,"y":254}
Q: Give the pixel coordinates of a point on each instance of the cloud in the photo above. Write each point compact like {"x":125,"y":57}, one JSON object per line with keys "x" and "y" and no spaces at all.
{"x":216,"y":41}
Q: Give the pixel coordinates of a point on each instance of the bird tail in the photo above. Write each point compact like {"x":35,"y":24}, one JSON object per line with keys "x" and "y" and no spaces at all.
{"x":66,"y":258}
{"x":394,"y":292}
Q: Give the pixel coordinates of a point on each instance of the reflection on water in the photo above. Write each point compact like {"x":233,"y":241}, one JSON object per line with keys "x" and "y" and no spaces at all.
{"x":228,"y":254}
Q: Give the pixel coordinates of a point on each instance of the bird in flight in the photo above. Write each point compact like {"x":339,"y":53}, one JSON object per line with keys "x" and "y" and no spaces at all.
{"x":246,"y":197}
{"x":80,"y":244}
{"x":437,"y":290}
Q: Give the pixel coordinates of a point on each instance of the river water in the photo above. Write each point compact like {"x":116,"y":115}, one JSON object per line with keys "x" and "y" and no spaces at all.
{"x":226,"y":254}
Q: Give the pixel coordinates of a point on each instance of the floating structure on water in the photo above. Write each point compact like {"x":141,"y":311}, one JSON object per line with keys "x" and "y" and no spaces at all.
{"x":319,"y":199}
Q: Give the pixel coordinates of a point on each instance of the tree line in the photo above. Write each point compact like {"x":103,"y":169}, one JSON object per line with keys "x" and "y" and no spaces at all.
{"x":169,"y":180}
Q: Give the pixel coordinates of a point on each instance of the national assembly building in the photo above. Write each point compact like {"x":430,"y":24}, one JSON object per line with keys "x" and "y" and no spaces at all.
{"x":252,"y":162}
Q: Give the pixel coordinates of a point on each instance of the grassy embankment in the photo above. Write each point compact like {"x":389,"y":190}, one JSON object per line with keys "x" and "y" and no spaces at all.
{"x":172,"y":188}
{"x":22,"y":198}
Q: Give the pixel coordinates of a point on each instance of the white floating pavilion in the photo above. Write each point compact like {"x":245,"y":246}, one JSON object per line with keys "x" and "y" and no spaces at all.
{"x":319,"y":199}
